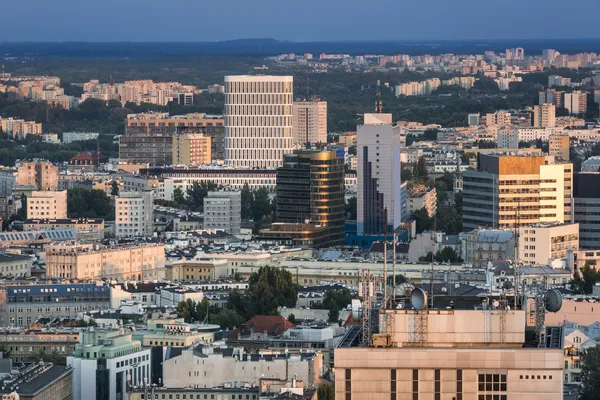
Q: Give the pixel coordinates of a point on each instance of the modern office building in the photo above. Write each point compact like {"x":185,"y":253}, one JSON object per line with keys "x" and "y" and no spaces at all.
{"x":541,"y":243}
{"x":223,"y":211}
{"x":544,"y":116}
{"x":134,"y":214}
{"x":191,"y":149}
{"x":450,"y":350}
{"x":310,"y":122}
{"x":559,"y":146}
{"x":258,"y":120}
{"x":513,"y":190}
{"x":22,"y":305}
{"x":149,"y":137}
{"x":106,"y":362}
{"x":310,"y":188}
{"x":41,"y":174}
{"x":378,"y":194}
{"x":87,"y":261}
{"x":576,"y":102}
{"x":586,"y":200}
{"x":47,"y":205}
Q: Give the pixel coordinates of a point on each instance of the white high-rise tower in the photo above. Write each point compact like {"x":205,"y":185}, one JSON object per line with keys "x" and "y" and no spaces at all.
{"x":258,"y":120}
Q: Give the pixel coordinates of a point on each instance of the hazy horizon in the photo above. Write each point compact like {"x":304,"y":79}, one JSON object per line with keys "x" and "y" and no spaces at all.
{"x":315,"y":21}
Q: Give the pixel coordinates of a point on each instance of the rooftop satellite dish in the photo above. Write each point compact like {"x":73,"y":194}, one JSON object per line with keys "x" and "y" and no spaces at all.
{"x":552,"y":300}
{"x":507,"y":285}
{"x":418,"y":298}
{"x":356,"y":308}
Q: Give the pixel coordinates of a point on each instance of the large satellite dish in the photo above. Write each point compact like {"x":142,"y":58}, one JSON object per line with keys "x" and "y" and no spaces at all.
{"x":418,"y":298}
{"x":357,"y":312}
{"x":552,"y":300}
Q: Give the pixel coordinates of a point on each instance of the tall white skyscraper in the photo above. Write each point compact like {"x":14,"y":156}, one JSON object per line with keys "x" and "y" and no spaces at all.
{"x":378,"y":152}
{"x":258,"y":120}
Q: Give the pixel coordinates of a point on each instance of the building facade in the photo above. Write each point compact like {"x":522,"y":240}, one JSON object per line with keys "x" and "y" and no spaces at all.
{"x":191,"y":149}
{"x":258,"y":120}
{"x":134,"y":214}
{"x":586,"y":200}
{"x":310,"y":187}
{"x":310,"y":122}
{"x":41,"y":174}
{"x":378,"y":194}
{"x":15,"y":266}
{"x":223,"y":211}
{"x":559,"y":146}
{"x":544,"y":116}
{"x":544,"y":242}
{"x":47,"y":205}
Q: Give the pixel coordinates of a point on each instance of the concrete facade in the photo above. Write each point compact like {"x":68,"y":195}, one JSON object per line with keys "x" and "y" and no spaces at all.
{"x":310,"y":122}
{"x":134,"y":214}
{"x":47,"y":205}
{"x":223,"y":211}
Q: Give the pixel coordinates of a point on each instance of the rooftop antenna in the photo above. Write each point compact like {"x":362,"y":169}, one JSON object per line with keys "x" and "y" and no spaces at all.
{"x":379,"y":102}
{"x":394,"y":271}
{"x":385,"y":299}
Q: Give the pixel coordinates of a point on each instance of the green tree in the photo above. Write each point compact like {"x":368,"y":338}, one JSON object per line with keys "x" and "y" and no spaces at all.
{"x":334,"y":312}
{"x":185,"y":310}
{"x":292,"y":318}
{"x":178,"y":197}
{"x":197,"y":192}
{"x":590,"y":373}
{"x":247,"y":201}
{"x":114,"y":191}
{"x":406,"y":174}
{"x":584,"y":280}
{"x":420,"y":169}
{"x":399,"y":279}
{"x":226,"y":319}
{"x":424,"y":222}
{"x":326,"y":392}
{"x":89,"y":203}
{"x":341,"y":297}
{"x":350,"y":208}
{"x":447,"y":254}
{"x":269,"y":289}
{"x":261,"y":206}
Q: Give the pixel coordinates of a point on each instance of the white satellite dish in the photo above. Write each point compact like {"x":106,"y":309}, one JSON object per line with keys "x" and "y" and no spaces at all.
{"x":418,"y":298}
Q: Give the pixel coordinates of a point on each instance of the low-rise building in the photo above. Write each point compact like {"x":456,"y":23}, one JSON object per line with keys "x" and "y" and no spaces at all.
{"x":105,"y":362}
{"x":75,"y":260}
{"x":197,"y":269}
{"x":27,"y":344}
{"x":47,"y":205}
{"x":38,"y":381}
{"x":171,"y":296}
{"x":544,"y":242}
{"x":144,"y":293}
{"x":93,"y":226}
{"x":484,"y":245}
{"x":247,"y":393}
{"x":15,"y":266}
{"x":422,"y":197}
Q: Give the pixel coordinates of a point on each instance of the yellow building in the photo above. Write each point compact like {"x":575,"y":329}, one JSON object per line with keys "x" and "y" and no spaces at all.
{"x":202,"y":269}
{"x":558,"y":146}
{"x":87,"y":261}
{"x":310,"y":122}
{"x":191,"y":149}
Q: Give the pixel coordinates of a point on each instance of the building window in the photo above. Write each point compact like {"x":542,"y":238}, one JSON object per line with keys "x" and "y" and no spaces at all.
{"x":492,"y":386}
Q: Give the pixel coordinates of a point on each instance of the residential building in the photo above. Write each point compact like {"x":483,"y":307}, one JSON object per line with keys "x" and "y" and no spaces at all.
{"x":310,"y":122}
{"x":144,"y":293}
{"x":378,"y":195}
{"x":26,"y":343}
{"x":541,"y":243}
{"x":41,"y":174}
{"x":559,"y":146}
{"x":86,"y":261}
{"x":577,"y":339}
{"x":8,"y":179}
{"x":15,"y":266}
{"x":421,"y":196}
{"x":251,"y":393}
{"x":149,"y":137}
{"x":498,"y":118}
{"x":551,"y":96}
{"x":134,"y":214}
{"x":70,"y":137}
{"x":38,"y":381}
{"x":223,"y":211}
{"x":47,"y":205}
{"x":576,"y":102}
{"x":484,"y":245}
{"x":347,"y":139}
{"x":310,"y":188}
{"x":586,"y":200}
{"x":191,"y":149}
{"x":258,"y":120}
{"x":223,"y":366}
{"x":19,"y":128}
{"x":458,"y":355}
{"x":105,"y":363}
{"x":92,"y":226}
{"x":9,"y":205}
{"x":544,"y":116}
{"x":507,"y":137}
{"x":21,"y":305}
{"x":513,"y":190}
{"x":473,"y":119}
{"x":171,"y":296}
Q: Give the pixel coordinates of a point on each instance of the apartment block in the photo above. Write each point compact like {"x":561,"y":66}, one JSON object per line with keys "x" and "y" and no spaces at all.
{"x":540,"y":244}
{"x":191,"y":149}
{"x":134,"y":214}
{"x":544,"y":116}
{"x":70,"y":137}
{"x":258,"y":120}
{"x":223,"y":211}
{"x":559,"y":146}
{"x":422,"y":197}
{"x":551,"y":96}
{"x":47,"y":205}
{"x":41,"y":174}
{"x":310,"y":122}
{"x":498,"y":118}
{"x":576,"y":102}
{"x":513,"y":190}
{"x":73,"y":260}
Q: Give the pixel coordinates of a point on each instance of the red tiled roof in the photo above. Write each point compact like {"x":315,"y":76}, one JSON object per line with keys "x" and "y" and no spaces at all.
{"x":272,"y":324}
{"x":86,"y":156}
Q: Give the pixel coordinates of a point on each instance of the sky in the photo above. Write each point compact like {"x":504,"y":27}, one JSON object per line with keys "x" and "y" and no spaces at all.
{"x":305,"y":20}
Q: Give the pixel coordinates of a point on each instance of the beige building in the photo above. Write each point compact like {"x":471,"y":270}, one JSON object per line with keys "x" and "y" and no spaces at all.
{"x":499,"y":118}
{"x":20,"y":128}
{"x":310,"y":122}
{"x":558,"y":146}
{"x":197,"y":270}
{"x":86,"y":261}
{"x":258,"y":120}
{"x":93,"y":226}
{"x":541,"y":243}
{"x":191,"y":149}
{"x":134,"y":214}
{"x":47,"y":205}
{"x":347,"y":139}
{"x":422,"y":198}
{"x":458,"y":354}
{"x":544,"y":116}
{"x":42,"y":174}
{"x":15,"y":266}
{"x":509,"y":189}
